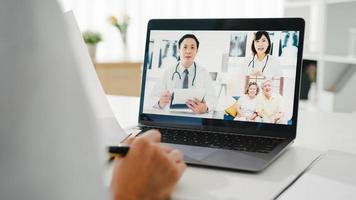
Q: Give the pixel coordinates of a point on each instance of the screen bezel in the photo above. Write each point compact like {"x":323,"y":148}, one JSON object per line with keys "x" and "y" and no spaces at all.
{"x":251,"y":128}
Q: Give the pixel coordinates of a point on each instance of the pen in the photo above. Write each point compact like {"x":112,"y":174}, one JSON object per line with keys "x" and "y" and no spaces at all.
{"x":120,"y":150}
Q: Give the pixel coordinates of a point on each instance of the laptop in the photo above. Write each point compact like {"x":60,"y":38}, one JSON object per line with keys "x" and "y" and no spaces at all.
{"x":257,"y":63}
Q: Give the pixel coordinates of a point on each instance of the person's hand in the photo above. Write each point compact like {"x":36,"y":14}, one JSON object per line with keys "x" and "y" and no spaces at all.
{"x":197,"y":106}
{"x":277,"y":117}
{"x":240,"y":115}
{"x":164,"y":99}
{"x":252,"y":117}
{"x":148,"y":171}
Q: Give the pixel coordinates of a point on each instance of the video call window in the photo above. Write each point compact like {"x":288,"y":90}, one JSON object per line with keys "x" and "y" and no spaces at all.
{"x":227,"y":75}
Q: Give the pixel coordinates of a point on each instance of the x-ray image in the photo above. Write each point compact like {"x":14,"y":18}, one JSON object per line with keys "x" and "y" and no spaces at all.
{"x":272,"y":37}
{"x":168,"y":53}
{"x":289,"y":44}
{"x":150,"y":54}
{"x":238,"y":45}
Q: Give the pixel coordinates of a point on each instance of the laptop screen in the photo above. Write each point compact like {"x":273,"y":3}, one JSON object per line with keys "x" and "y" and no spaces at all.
{"x":230,"y":75}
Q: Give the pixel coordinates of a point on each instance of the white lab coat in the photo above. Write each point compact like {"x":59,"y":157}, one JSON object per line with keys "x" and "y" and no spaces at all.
{"x":273,"y":67}
{"x":48,"y":133}
{"x":202,"y":81}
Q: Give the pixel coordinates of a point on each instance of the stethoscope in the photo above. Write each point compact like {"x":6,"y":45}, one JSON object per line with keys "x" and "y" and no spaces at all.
{"x":180,"y":77}
{"x":253,"y":63}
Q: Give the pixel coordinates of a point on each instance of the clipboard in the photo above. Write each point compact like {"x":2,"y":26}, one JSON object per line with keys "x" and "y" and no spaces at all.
{"x":181,"y":96}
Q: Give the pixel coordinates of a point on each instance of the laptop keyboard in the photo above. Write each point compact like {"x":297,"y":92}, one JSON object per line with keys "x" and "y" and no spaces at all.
{"x":217,"y":140}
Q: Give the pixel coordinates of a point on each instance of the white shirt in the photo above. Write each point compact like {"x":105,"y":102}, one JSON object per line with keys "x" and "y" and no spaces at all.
{"x":269,"y":107}
{"x":270,"y":68}
{"x":48,"y":133}
{"x":247,"y":105}
{"x":170,"y":80}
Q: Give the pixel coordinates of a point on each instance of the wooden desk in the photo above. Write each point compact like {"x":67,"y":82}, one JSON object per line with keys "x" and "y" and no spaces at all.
{"x":122,"y":78}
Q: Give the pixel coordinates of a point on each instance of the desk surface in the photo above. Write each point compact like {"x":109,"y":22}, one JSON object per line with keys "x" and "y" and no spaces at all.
{"x":211,"y":184}
{"x":317,"y":132}
{"x":332,"y":177}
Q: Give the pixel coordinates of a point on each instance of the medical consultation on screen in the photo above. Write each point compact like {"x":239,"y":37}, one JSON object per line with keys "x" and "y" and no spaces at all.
{"x":228,"y":75}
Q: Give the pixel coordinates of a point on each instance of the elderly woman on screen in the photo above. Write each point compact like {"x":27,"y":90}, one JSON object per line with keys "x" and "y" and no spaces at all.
{"x":247,"y":103}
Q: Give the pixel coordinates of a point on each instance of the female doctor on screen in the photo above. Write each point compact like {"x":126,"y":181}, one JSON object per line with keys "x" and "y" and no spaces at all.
{"x":185,"y":74}
{"x":262,"y":63}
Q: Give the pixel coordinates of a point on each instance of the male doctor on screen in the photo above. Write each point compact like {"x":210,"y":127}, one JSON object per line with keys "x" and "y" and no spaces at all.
{"x":185,"y":74}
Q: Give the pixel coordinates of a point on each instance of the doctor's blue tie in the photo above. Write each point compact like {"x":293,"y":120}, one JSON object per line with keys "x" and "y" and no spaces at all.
{"x":185,"y":80}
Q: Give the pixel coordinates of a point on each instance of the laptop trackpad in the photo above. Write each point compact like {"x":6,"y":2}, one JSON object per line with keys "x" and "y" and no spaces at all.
{"x":223,"y":158}
{"x":193,"y":153}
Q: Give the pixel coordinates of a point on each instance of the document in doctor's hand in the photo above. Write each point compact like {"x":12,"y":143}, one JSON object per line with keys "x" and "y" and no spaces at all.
{"x":181,"y":96}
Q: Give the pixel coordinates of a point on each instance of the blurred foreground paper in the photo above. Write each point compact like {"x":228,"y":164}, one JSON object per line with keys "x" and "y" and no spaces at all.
{"x":48,"y":129}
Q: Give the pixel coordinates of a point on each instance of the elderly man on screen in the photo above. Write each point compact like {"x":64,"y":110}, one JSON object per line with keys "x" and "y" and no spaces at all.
{"x":269,"y":107}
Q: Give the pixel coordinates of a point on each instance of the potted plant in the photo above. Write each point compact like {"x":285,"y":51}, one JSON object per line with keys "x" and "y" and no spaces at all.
{"x":92,"y":38}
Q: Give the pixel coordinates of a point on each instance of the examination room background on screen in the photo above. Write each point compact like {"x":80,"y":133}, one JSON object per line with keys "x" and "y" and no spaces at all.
{"x":239,"y":85}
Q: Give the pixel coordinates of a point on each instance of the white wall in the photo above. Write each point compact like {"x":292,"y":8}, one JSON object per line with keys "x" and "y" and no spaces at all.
{"x":345,"y":99}
{"x":93,"y":14}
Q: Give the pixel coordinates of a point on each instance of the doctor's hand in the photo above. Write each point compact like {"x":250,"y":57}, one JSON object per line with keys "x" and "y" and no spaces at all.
{"x":277,"y":117}
{"x":164,"y":99}
{"x":148,"y":171}
{"x":197,"y":106}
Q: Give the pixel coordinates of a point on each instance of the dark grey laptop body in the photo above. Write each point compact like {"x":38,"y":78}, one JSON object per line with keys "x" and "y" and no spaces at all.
{"x":210,"y":156}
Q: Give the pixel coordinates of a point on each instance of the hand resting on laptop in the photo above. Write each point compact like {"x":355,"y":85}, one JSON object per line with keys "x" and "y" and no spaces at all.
{"x":146,"y":161}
